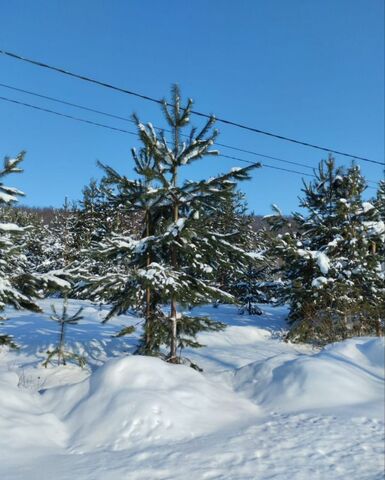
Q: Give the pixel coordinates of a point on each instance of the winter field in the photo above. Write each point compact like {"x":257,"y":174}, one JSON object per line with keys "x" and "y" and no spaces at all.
{"x":262,"y":408}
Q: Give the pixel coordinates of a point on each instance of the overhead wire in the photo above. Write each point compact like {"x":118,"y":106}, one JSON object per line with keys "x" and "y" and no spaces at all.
{"x":72,"y":117}
{"x":126,"y":119}
{"x":121,"y":130}
{"x":195,"y":112}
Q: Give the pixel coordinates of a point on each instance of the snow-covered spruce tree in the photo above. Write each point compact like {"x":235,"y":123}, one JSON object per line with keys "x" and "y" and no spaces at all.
{"x":96,"y":216}
{"x":269,"y":281}
{"x":32,"y":232}
{"x":105,"y":273}
{"x":380,"y":199}
{"x":229,"y":217}
{"x":37,"y":238}
{"x":16,"y":288}
{"x":254,"y":282}
{"x":88,"y":225}
{"x":42,"y":258}
{"x":375,"y":226}
{"x":379,"y":204}
{"x":55,"y":241}
{"x":332,"y":275}
{"x":50,"y":248}
{"x":174,"y":260}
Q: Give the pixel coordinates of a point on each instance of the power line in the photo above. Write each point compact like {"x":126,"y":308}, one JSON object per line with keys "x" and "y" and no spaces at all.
{"x":195,"y":112}
{"x":266,"y":165}
{"x":126,"y":119}
{"x":80,"y":77}
{"x":65,"y":102}
{"x":250,"y":152}
{"x":121,"y":130}
{"x":67,"y":116}
{"x":280,"y":168}
{"x":71,"y":117}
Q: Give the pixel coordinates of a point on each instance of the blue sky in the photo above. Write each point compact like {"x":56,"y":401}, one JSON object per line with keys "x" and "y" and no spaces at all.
{"x":312,"y":70}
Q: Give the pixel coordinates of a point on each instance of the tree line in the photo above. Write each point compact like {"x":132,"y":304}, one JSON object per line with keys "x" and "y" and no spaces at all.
{"x":159,"y":247}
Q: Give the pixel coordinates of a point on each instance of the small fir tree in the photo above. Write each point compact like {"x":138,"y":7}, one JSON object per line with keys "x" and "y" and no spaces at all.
{"x":60,"y":352}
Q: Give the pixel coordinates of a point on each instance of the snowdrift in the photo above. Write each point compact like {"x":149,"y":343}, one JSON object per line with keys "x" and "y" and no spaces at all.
{"x":345,"y":377}
{"x":23,"y":424}
{"x":143,"y":399}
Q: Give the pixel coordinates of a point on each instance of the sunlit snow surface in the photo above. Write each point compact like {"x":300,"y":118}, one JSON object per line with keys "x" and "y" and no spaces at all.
{"x":262,"y":409}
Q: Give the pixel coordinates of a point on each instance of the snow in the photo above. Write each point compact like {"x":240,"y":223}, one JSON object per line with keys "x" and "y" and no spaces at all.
{"x":53,"y":278}
{"x":375,"y":228}
{"x":256,"y":255}
{"x":22,"y":422}
{"x":347,"y":376}
{"x":10,"y":227}
{"x":144,"y":400}
{"x":176,"y":227}
{"x":262,"y":409}
{"x":323,"y":262}
{"x":321,"y":258}
{"x":319,"y":282}
{"x":6,"y":198}
{"x":367,"y":206}
{"x":11,"y":162}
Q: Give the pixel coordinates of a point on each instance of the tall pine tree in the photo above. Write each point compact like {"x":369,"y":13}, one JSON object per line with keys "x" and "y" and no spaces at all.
{"x":173,"y":262}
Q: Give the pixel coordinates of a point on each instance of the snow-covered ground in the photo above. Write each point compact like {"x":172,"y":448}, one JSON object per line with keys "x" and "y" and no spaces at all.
{"x":262,"y":408}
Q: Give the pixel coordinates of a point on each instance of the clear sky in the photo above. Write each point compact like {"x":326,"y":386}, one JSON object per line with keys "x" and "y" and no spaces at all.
{"x":309,"y":69}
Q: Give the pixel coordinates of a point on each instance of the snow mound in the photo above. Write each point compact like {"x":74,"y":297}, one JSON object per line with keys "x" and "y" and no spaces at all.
{"x":346,"y":377}
{"x":143,"y":399}
{"x":22,"y":422}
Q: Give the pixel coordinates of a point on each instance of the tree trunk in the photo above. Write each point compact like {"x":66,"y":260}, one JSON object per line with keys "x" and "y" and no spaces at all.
{"x":148,"y":313}
{"x":378,"y":328}
{"x":174,"y":259}
{"x":378,"y":321}
{"x":60,"y":353}
{"x":174,"y":312}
